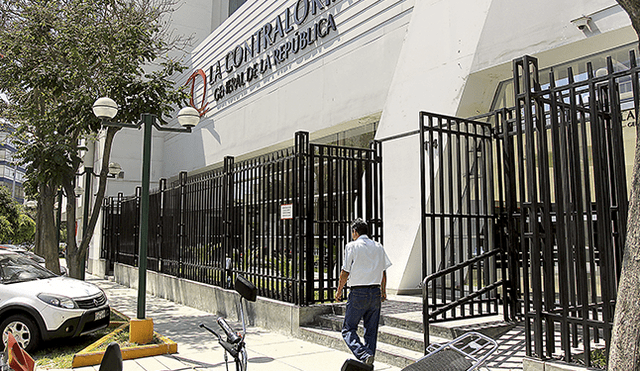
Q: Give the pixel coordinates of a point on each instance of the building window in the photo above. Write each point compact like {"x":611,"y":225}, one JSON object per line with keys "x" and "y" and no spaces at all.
{"x":234,"y":5}
{"x":358,"y":137}
{"x":620,"y":57}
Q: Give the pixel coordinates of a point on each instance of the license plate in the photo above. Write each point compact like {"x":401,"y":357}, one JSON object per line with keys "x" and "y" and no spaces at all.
{"x":100,"y":315}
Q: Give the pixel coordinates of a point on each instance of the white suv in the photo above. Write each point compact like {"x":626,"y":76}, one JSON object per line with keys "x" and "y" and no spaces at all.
{"x":37,"y":305}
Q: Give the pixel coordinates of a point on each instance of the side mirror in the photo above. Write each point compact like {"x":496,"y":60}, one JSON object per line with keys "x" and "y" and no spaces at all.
{"x":246,"y":289}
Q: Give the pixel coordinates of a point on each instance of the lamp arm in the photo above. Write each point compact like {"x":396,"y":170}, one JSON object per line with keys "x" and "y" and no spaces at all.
{"x":138,"y":125}
{"x":105,"y":122}
{"x":165,"y":128}
{"x":87,"y":170}
{"x":175,"y":130}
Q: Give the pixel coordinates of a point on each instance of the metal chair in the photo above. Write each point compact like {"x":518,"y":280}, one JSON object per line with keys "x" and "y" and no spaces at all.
{"x":465,"y":353}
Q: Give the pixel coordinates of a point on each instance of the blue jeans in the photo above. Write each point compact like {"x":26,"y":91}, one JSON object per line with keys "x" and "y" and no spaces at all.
{"x":364,"y":303}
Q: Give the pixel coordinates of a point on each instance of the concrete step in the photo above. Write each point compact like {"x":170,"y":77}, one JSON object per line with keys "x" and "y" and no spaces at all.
{"x":386,"y":353}
{"x":400,"y":335}
{"x":390,"y":334}
{"x":408,"y":318}
{"x":493,"y":326}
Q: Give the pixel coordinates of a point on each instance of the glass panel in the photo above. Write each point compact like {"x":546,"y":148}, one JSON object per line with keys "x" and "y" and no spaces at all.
{"x":234,"y":5}
{"x":620,"y":57}
{"x":359,"y":137}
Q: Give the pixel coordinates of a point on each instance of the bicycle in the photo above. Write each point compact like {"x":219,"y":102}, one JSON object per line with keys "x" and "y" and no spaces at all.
{"x":234,"y":343}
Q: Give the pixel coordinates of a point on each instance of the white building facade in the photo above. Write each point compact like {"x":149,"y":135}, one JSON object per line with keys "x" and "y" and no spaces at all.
{"x":332,"y":67}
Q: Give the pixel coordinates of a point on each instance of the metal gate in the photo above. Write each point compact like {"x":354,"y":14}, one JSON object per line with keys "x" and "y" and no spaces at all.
{"x":462,"y":258}
{"x":281,"y":220}
{"x":528,"y":206}
{"x":571,"y":205}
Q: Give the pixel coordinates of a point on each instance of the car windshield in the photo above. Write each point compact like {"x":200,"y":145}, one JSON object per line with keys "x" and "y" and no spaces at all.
{"x":17,"y":268}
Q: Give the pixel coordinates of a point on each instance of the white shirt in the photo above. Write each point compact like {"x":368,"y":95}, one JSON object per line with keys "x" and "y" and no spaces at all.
{"x":365,"y":260}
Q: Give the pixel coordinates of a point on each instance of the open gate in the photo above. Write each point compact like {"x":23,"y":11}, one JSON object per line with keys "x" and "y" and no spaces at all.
{"x":462,"y":254}
{"x":527,"y":207}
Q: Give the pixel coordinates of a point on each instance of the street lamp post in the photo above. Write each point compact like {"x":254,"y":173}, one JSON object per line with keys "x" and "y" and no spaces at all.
{"x":188,"y":117}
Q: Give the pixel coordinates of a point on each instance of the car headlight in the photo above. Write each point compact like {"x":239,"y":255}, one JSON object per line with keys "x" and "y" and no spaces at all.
{"x":58,"y":301}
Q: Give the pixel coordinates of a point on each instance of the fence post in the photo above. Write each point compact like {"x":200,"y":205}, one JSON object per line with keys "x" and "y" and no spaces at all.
{"x":162,"y":187}
{"x":511,"y":251}
{"x":227,"y":205}
{"x":310,"y":241}
{"x":301,"y":149}
{"x":182,"y":219}
{"x":118,"y":228}
{"x":107,"y":227}
{"x":136,"y":251}
{"x":376,"y":167}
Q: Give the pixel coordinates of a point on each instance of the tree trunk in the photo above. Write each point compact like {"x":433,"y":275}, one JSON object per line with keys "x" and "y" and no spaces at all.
{"x":624,"y":350}
{"x":75,"y":256}
{"x":97,"y":205}
{"x":625,"y":340}
{"x":37,"y":248}
{"x":48,"y":227}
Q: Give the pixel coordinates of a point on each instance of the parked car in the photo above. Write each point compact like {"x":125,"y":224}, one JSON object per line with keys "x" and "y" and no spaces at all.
{"x":37,"y":305}
{"x":36,"y":258}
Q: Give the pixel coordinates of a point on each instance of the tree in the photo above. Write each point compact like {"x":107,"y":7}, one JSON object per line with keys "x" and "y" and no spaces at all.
{"x":15,"y":226}
{"x":58,"y":57}
{"x":25,"y":229}
{"x":10,"y":212}
{"x":624,"y":351}
{"x":6,"y":229}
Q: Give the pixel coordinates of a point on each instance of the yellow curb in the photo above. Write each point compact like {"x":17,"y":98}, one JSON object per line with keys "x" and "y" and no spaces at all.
{"x":89,"y":357}
{"x":120,"y":314}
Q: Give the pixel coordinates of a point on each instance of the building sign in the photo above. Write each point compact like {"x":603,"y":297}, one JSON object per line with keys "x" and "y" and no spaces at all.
{"x":629,"y":118}
{"x":291,"y":32}
{"x":286,"y":211}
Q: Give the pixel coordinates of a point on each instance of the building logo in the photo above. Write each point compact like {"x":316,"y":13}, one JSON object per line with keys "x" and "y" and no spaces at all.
{"x":202,"y":109}
{"x":272,"y":45}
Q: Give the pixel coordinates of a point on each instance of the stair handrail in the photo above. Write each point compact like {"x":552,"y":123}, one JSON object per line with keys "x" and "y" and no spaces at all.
{"x":426,"y":316}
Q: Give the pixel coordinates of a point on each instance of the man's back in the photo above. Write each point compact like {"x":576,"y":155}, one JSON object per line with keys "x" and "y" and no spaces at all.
{"x":365,"y":260}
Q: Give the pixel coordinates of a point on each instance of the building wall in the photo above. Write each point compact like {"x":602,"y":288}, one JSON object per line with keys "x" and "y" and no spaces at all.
{"x":194,"y":19}
{"x":453,"y":57}
{"x":386,"y":58}
{"x":340,"y":78}
{"x":11,"y":175}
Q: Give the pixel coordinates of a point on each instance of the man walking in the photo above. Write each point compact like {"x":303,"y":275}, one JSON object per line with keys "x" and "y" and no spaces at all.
{"x":364,"y":267}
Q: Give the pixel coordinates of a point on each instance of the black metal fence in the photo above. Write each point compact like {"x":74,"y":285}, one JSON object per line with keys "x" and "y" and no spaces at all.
{"x":281,"y":220}
{"x":529,"y":205}
{"x":571,"y":210}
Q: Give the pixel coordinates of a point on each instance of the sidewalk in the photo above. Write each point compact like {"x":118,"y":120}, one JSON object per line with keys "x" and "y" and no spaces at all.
{"x":199,"y":350}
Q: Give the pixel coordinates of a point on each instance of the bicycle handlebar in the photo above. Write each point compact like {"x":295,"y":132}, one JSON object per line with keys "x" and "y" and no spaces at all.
{"x":228,"y":346}
{"x":232,"y":337}
{"x":202,"y":325}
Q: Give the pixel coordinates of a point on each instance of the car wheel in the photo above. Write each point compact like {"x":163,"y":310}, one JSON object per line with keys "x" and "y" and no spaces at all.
{"x":24,"y":330}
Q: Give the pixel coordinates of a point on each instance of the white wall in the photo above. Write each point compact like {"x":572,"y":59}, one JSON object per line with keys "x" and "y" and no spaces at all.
{"x":454,"y":54}
{"x":343,"y":77}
